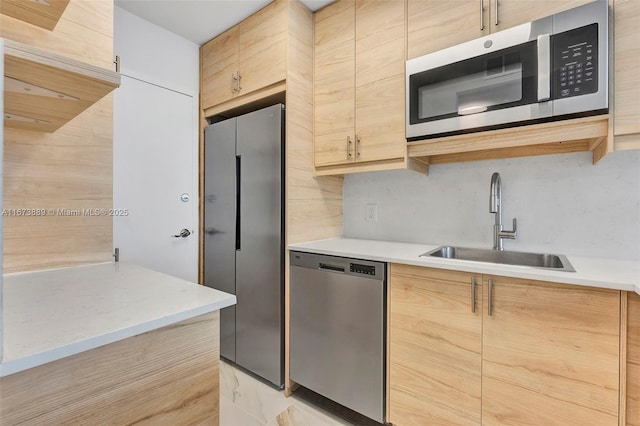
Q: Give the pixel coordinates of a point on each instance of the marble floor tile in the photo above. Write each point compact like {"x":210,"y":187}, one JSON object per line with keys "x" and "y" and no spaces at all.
{"x":256,"y":398}
{"x":232,"y":415}
{"x":246,"y":401}
{"x":301,"y":413}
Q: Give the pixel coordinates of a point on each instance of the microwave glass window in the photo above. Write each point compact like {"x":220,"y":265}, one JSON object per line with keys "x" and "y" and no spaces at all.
{"x":471,"y":94}
{"x":494,"y":81}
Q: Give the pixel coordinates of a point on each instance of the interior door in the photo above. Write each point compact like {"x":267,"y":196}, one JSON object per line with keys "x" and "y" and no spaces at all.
{"x":154,"y":179}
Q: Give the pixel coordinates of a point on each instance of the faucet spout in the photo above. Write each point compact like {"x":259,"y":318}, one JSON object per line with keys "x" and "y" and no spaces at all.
{"x":495,"y":207}
{"x":495,"y":193}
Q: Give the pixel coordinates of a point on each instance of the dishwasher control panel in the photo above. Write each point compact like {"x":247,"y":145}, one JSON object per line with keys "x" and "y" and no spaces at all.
{"x":362,"y":269}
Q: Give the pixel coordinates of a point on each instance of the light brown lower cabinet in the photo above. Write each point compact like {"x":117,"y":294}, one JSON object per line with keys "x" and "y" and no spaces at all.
{"x":633,"y":360}
{"x":436,"y":347}
{"x":532,"y":353}
{"x":550,"y":353}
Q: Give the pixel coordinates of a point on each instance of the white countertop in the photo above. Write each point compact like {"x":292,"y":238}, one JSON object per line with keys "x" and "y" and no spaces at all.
{"x":49,"y":315}
{"x":592,"y":272}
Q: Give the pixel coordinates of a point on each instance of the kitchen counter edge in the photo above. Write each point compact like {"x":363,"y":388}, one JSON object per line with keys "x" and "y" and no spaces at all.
{"x":591,"y":272}
{"x":100,"y":312}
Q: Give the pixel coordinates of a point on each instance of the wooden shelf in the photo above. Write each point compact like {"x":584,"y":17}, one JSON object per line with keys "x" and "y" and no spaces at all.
{"x":575,"y":135}
{"x":43,"y":13}
{"x":43,"y":91}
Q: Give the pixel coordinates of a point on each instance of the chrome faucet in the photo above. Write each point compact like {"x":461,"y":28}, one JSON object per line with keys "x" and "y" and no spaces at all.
{"x":495,"y":206}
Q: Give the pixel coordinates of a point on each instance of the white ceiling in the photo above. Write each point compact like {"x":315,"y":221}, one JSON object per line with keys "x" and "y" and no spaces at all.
{"x":200,"y":20}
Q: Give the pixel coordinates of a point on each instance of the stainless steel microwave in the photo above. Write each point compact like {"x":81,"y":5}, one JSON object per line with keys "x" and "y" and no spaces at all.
{"x":549,"y":69}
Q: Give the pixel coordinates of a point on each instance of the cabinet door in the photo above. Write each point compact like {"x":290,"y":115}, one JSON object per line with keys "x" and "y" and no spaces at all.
{"x":435,"y":347}
{"x":437,"y":24}
{"x":380,"y":80}
{"x":550,"y":354}
{"x":510,"y":13}
{"x":219,"y":58}
{"x":633,"y":359}
{"x":262,"y":47}
{"x":627,"y":64}
{"x":334,"y":84}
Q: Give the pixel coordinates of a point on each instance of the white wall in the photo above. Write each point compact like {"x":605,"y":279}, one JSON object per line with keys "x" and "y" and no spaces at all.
{"x":563,"y":203}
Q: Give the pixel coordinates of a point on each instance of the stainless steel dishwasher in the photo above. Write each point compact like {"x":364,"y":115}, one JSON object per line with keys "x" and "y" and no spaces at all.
{"x":337,"y":344}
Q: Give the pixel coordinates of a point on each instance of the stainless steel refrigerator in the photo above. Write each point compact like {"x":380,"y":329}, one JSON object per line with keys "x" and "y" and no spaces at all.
{"x":243,"y":236}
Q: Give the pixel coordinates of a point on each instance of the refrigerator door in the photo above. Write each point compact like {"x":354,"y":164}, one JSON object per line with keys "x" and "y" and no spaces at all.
{"x":259,"y":258}
{"x":220,"y":223}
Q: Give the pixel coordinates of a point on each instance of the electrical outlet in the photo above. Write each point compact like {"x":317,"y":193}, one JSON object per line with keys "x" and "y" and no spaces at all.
{"x":372,"y":212}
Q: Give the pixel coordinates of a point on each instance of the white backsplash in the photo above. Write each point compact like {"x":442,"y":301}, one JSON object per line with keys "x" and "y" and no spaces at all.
{"x":563,"y":204}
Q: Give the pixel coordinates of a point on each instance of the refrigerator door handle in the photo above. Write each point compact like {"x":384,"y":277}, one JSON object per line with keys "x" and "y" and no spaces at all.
{"x":238,"y":186}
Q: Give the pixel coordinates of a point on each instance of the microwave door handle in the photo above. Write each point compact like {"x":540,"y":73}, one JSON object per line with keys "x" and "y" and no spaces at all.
{"x":544,"y":67}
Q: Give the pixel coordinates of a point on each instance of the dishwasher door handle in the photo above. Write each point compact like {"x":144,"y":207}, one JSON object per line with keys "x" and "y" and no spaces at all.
{"x":329,"y":267}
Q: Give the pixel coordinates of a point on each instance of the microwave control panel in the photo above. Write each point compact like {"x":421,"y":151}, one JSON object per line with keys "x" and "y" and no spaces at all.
{"x":575,"y":62}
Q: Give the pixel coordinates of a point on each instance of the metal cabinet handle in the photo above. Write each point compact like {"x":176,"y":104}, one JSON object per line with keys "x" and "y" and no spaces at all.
{"x":497,"y":21}
{"x":349,"y":147}
{"x":357,"y":146}
{"x":235,"y":81}
{"x":473,"y":294}
{"x":481,"y":15}
{"x":490,"y":297}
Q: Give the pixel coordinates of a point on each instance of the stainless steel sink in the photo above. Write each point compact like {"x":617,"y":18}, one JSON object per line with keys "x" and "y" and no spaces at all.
{"x":556,"y":262}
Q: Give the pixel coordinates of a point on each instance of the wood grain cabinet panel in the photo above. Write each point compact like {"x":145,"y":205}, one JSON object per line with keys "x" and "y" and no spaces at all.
{"x":437,"y":24}
{"x":44,"y":91}
{"x":334,"y":84}
{"x":515,"y":12}
{"x":380,"y":80}
{"x":550,"y":354}
{"x":359,"y":83}
{"x":436,"y":347}
{"x":633,"y":360}
{"x":262,"y":48}
{"x":532,"y":353}
{"x":246,"y":58}
{"x":44,"y":14}
{"x":219,"y":58}
{"x":627,"y":77}
{"x":167,"y":376}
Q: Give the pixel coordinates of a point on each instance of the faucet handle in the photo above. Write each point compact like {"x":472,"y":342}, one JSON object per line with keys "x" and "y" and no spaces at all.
{"x":511,"y":235}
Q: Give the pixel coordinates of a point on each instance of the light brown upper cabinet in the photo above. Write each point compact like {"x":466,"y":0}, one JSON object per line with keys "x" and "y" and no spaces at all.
{"x":477,"y":349}
{"x":44,"y":14}
{"x":437,"y":24}
{"x":626,"y":124}
{"x":359,"y":85}
{"x":248,"y":57}
{"x":43,"y":91}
